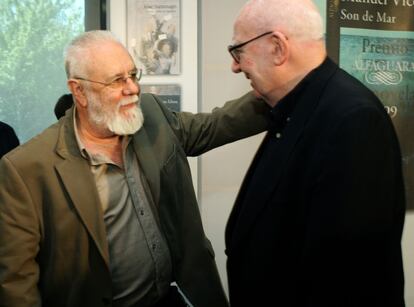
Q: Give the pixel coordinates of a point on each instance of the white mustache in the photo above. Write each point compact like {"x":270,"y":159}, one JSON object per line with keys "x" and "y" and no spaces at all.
{"x":128,"y":100}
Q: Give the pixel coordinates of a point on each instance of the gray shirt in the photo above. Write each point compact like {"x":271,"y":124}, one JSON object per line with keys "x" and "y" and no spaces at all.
{"x":139,"y":258}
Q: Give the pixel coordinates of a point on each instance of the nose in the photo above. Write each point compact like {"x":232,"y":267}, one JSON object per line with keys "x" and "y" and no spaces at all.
{"x":235,"y":67}
{"x":131,"y":88}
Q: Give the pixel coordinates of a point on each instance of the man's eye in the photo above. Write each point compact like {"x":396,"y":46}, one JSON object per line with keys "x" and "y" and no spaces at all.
{"x":237,"y":51}
{"x":118,"y":81}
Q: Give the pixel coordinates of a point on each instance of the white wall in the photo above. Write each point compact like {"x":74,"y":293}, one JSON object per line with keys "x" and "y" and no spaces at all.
{"x":408,"y":254}
{"x":222,"y":169}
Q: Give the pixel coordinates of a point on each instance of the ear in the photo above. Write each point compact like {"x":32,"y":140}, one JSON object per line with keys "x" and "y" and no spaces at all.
{"x":77,"y":91}
{"x":280,"y":45}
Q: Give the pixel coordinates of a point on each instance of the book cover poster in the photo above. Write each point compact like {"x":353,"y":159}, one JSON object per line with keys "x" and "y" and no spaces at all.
{"x":170,"y":94}
{"x":374,"y":42}
{"x":153,"y":35}
{"x":384,"y":62}
{"x":391,"y":15}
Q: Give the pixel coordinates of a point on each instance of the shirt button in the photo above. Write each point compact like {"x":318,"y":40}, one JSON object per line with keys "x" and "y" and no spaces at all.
{"x":278,"y":135}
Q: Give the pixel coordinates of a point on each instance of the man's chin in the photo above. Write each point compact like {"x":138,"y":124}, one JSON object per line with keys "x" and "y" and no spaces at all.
{"x":126,"y":130}
{"x":131,"y":122}
{"x":257,"y":94}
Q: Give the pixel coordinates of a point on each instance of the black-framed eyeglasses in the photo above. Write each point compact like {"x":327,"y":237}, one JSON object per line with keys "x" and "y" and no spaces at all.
{"x":234,"y":50}
{"x":119,"y":82}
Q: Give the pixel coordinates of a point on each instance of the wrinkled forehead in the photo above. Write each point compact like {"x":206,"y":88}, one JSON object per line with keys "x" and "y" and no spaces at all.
{"x":243,"y":30}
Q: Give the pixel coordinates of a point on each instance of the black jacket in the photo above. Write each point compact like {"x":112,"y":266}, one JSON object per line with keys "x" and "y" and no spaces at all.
{"x":324,"y":230}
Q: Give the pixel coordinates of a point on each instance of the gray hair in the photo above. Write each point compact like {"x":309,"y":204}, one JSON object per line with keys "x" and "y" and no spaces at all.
{"x":295,"y":18}
{"x":76,"y":52}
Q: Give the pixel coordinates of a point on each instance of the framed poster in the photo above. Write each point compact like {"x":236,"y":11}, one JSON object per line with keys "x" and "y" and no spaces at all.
{"x":170,"y":94}
{"x":134,"y":21}
{"x":374,"y":42}
{"x":153,"y":35}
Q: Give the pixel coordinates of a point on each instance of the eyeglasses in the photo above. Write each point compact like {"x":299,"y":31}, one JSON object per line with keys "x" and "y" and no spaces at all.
{"x":120,"y":82}
{"x":234,"y":50}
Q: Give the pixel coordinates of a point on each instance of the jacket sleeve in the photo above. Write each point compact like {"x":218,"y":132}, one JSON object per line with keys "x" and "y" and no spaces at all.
{"x":19,"y":241}
{"x":237,"y":119}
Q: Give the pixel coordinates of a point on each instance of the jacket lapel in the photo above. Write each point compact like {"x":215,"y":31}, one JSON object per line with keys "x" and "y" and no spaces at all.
{"x":79,"y":184}
{"x":252,"y":208}
{"x":147,"y":162}
{"x":243,"y":217}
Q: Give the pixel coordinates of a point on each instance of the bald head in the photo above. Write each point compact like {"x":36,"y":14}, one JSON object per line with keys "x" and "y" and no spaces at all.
{"x":299,"y":19}
{"x":276,"y":43}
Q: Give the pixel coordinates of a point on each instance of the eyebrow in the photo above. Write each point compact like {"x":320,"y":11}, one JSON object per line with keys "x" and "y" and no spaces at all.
{"x":119,"y":75}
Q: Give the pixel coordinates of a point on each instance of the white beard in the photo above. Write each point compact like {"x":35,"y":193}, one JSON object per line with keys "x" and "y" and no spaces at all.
{"x":105,"y":119}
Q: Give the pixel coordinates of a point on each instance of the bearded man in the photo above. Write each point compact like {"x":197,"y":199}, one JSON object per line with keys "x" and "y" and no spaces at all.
{"x":99,"y":209}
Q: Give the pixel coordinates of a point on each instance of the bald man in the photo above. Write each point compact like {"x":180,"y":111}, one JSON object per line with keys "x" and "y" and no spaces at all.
{"x":319,"y":217}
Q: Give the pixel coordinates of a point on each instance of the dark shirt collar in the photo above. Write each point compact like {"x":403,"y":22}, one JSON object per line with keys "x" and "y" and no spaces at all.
{"x":282,"y":112}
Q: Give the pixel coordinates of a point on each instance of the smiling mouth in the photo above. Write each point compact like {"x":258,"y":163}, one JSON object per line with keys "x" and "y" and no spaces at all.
{"x":129,"y":105}
{"x":128,"y":102}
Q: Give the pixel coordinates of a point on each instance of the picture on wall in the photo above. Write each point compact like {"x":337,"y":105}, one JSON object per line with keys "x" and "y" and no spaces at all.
{"x":374,"y":42}
{"x":170,"y":94}
{"x":153,"y":35}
